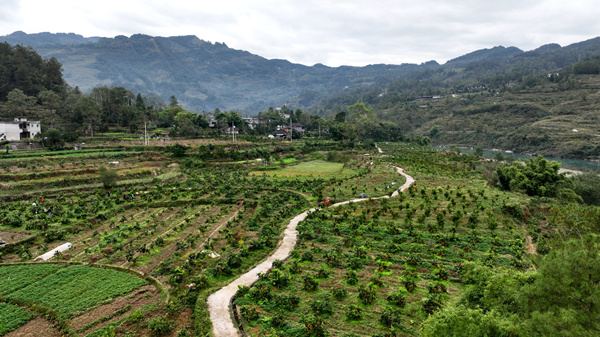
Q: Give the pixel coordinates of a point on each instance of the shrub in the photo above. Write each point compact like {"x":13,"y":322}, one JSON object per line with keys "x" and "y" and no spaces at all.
{"x":135,"y":317}
{"x":309,"y":283}
{"x":353,"y":312}
{"x":396,"y":298}
{"x":432,"y":304}
{"x":351,"y":277}
{"x":339,"y":293}
{"x":277,"y":264}
{"x":159,"y":326}
{"x":307,"y":256}
{"x":295,"y":268}
{"x":249,"y":313}
{"x":314,"y":327}
{"x":279,"y":279}
{"x":321,"y":307}
{"x":322,"y":273}
{"x":366,"y":294}
{"x":242,"y":291}
{"x":107,"y":177}
{"x":391,"y":317}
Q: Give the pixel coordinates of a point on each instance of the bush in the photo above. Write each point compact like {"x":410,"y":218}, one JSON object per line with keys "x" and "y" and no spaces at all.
{"x":391,"y":317}
{"x":353,"y":312}
{"x":249,"y":313}
{"x":314,"y":327}
{"x":108,"y":177}
{"x":366,"y":294}
{"x":396,"y":298}
{"x":159,"y":326}
{"x":309,"y":283}
{"x":339,"y":293}
{"x":321,"y":307}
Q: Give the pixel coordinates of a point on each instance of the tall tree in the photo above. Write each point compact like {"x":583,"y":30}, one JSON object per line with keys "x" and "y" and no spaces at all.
{"x":173,"y":102}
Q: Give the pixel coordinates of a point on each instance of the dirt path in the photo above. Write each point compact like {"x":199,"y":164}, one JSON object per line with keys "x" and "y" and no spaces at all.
{"x":219,"y":302}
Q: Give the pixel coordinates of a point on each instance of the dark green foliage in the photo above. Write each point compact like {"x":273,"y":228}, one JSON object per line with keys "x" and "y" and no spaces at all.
{"x":314,"y":327}
{"x":353,"y":312}
{"x":249,"y":313}
{"x":108,"y":177}
{"x":391,"y":317}
{"x":560,"y":298}
{"x":397,"y":298}
{"x":322,"y":307}
{"x":177,"y":150}
{"x":432,"y":304}
{"x":23,"y":68}
{"x":159,"y":326}
{"x":366,"y":294}
{"x":310,"y":284}
{"x":339,"y":293}
{"x":538,"y":177}
{"x":587,"y":186}
{"x":53,"y":139}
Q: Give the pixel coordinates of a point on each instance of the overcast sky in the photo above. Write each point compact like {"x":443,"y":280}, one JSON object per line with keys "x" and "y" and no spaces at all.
{"x":340,"y":32}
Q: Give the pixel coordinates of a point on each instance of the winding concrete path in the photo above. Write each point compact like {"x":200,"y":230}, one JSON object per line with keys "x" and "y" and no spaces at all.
{"x":219,"y":302}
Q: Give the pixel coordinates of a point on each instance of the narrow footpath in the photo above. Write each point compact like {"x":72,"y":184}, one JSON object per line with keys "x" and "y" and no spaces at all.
{"x":219,"y":302}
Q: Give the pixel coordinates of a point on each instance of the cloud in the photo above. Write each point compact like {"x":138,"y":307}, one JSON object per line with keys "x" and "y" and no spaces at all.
{"x":332,"y":32}
{"x":9,"y":11}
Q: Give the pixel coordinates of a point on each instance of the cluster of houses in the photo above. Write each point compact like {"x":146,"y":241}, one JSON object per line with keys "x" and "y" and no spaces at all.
{"x":293,"y":130}
{"x":19,"y":128}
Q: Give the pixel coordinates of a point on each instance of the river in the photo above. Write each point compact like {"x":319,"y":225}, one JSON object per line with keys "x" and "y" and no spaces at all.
{"x":572,"y":164}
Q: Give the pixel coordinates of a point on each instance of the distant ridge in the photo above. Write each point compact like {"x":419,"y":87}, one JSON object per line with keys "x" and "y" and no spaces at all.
{"x":44,"y":39}
{"x":204,"y":75}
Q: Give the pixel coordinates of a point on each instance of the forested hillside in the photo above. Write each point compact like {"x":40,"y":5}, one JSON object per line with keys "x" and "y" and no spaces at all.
{"x":203,"y":75}
{"x":544,"y":101}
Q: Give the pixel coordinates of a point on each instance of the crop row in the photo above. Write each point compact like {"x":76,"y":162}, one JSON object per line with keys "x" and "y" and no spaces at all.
{"x":12,"y":317}
{"x":76,"y":288}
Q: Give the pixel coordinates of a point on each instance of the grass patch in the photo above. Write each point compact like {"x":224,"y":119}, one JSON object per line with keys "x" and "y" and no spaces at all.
{"x":315,"y":168}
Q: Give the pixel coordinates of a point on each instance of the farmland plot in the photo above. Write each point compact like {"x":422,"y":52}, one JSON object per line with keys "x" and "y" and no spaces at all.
{"x":12,"y":317}
{"x":382,"y":267}
{"x":74,"y":289}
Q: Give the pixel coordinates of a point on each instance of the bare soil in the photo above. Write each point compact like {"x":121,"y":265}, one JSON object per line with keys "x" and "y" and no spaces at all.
{"x":13,"y":236}
{"x":138,"y":298}
{"x":36,"y":327}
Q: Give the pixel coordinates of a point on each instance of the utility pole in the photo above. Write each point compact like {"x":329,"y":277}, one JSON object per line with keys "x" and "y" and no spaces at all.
{"x":233,"y":132}
{"x":291,"y":127}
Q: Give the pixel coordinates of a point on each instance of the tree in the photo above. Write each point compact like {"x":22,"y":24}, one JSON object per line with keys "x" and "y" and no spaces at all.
{"x":87,"y":113}
{"x":201,"y":121}
{"x":185,"y":123}
{"x":173,"y":102}
{"x":340,"y":117}
{"x":53,"y":139}
{"x":478,"y":152}
{"x":565,"y":296}
{"x":560,"y":298}
{"x":229,"y":119}
{"x":537,"y":177}
{"x":587,"y":186}
{"x":18,"y":102}
{"x":108,"y":177}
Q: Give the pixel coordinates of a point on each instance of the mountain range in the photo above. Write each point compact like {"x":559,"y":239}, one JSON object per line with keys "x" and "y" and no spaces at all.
{"x":204,"y":75}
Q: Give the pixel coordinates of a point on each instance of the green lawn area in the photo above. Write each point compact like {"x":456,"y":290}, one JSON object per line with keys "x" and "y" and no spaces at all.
{"x":315,"y":168}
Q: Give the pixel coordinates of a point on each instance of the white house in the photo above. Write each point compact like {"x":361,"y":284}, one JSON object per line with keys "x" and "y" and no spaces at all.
{"x":19,"y":128}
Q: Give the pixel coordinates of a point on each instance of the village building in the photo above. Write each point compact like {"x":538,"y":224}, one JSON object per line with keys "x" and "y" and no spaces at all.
{"x":19,"y":128}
